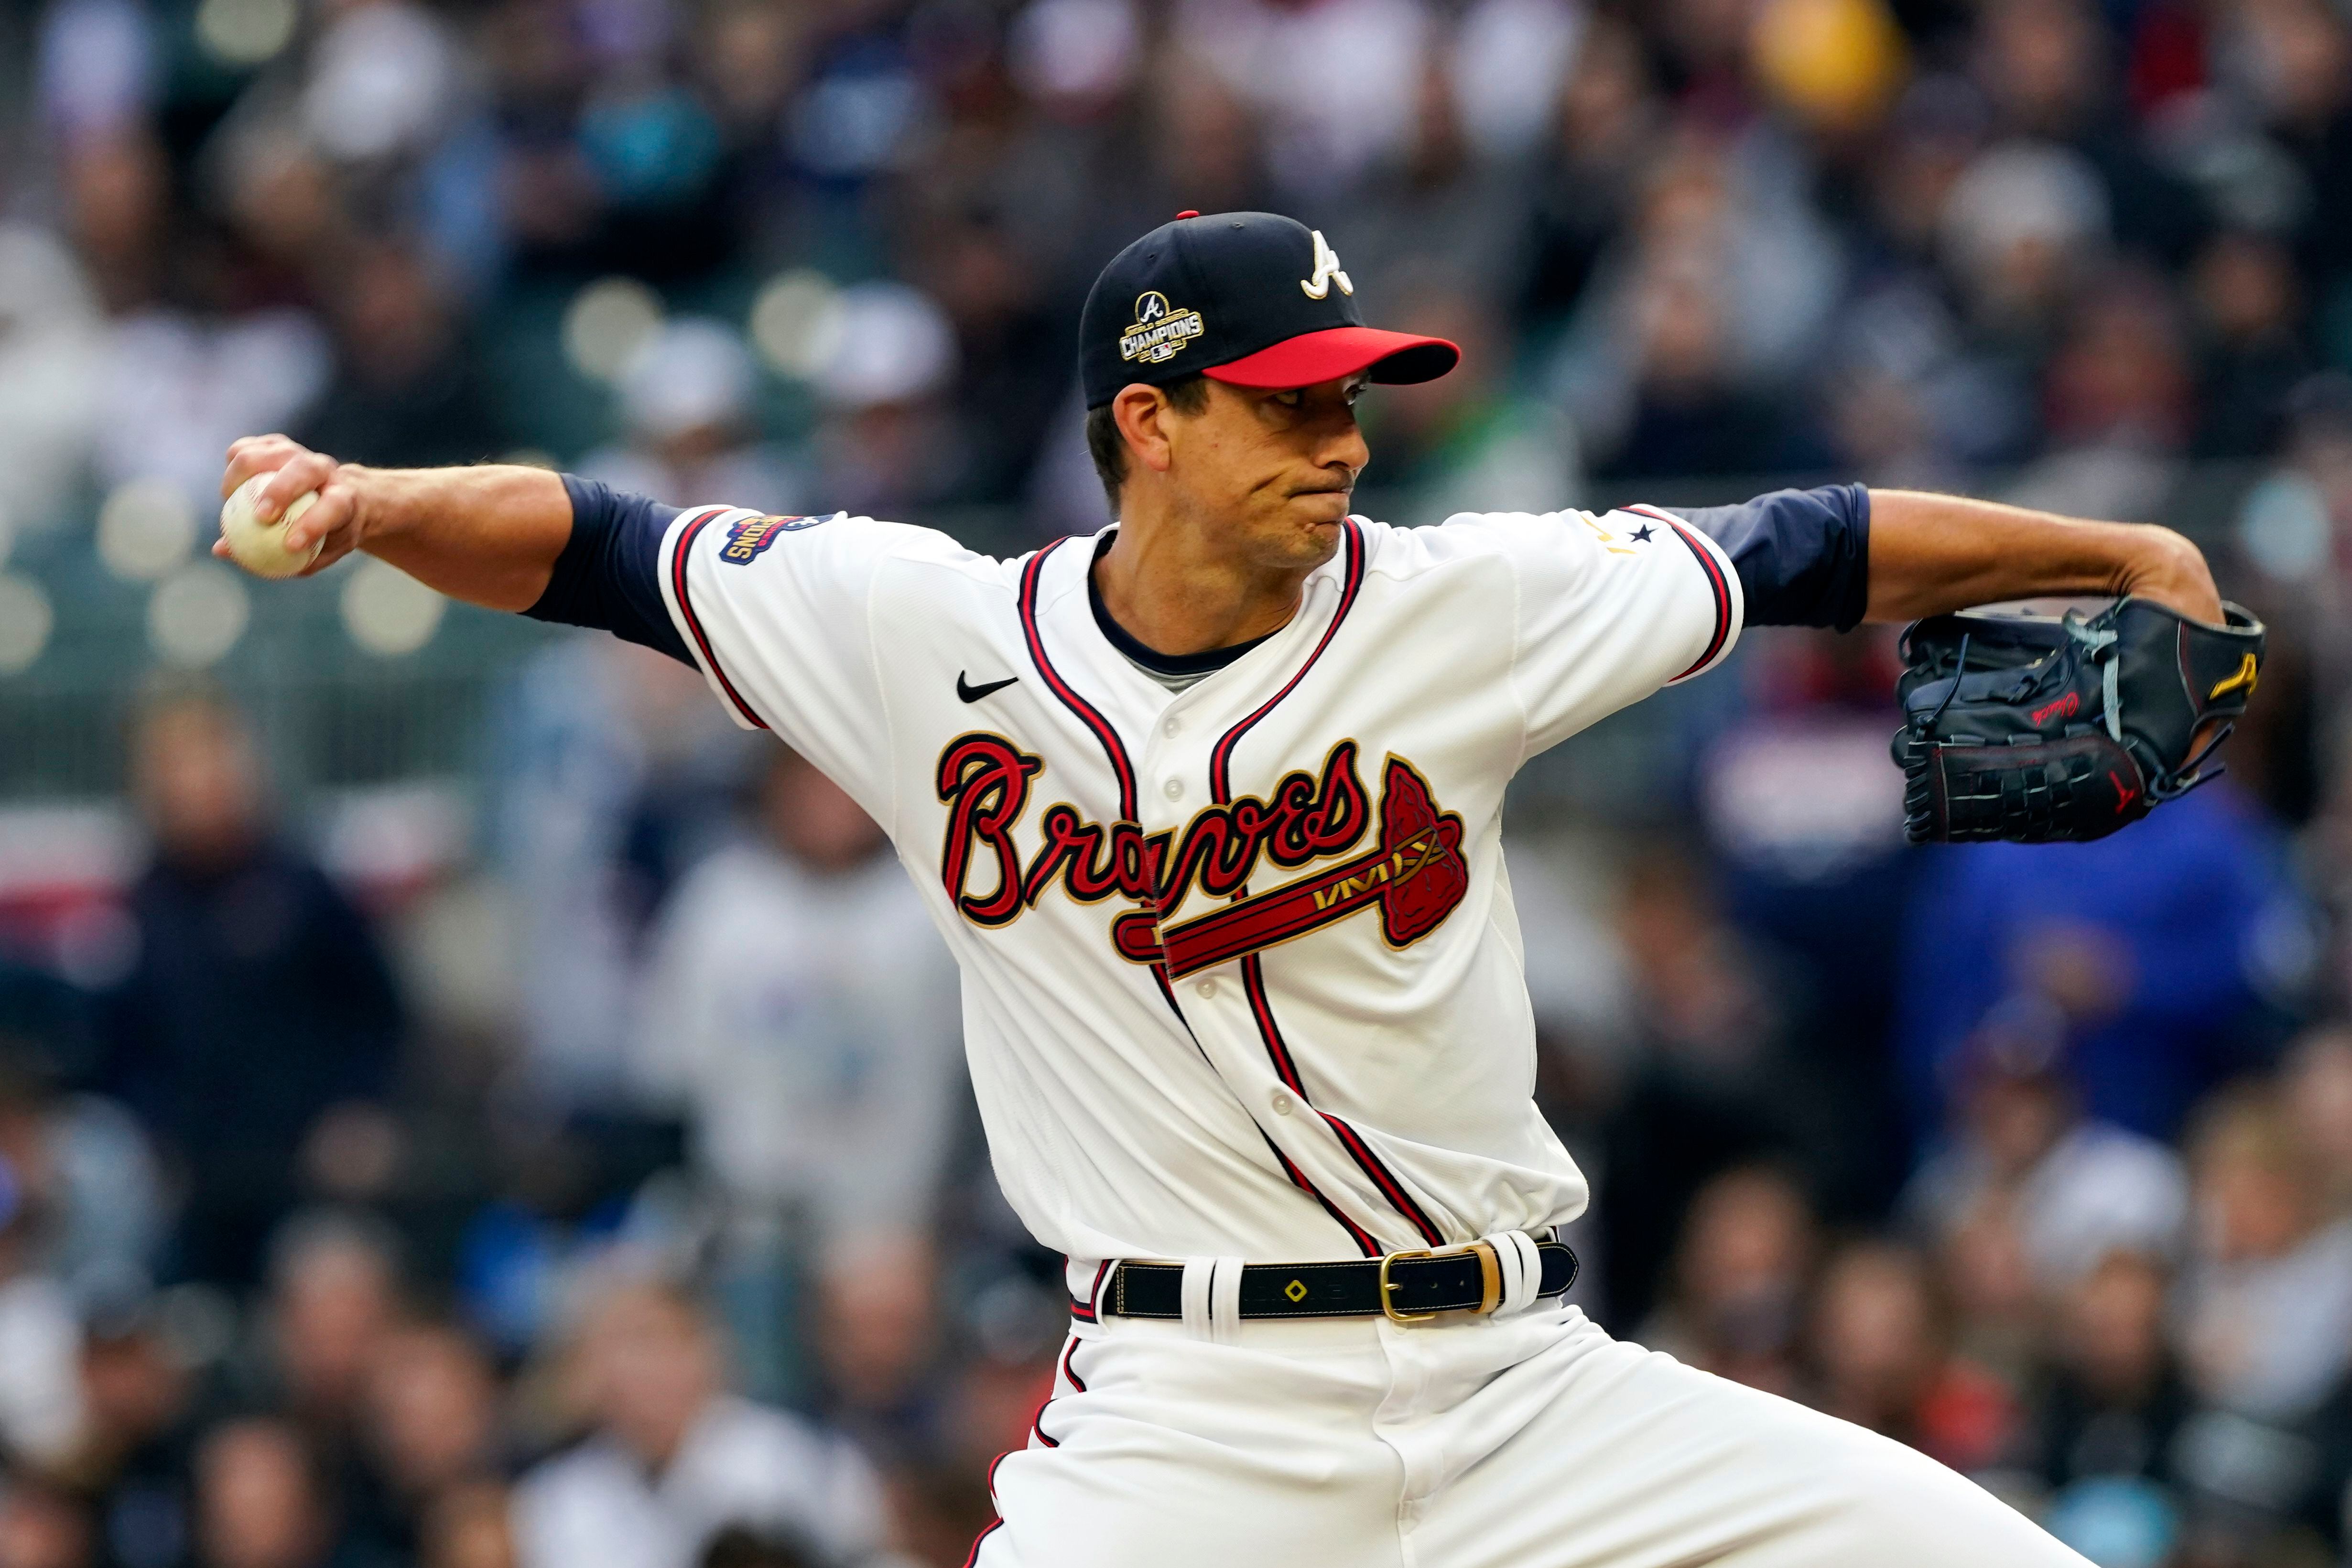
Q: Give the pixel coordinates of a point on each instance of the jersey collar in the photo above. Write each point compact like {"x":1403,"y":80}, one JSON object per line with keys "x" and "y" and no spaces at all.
{"x":1091,"y":677}
{"x":1151,"y":660}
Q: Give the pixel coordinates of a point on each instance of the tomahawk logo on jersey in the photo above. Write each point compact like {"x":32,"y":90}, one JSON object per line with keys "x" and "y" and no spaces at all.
{"x":1241,"y":971}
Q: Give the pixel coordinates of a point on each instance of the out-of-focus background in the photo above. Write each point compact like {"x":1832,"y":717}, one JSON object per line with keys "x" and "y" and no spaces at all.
{"x":463,"y":1104}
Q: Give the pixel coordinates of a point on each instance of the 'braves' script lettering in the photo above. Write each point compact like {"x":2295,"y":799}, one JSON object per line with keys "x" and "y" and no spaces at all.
{"x":1415,"y":871}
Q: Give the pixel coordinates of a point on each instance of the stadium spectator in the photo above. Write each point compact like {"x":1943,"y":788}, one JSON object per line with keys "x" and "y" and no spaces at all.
{"x":432,"y":1428}
{"x":736,"y":1547}
{"x":258,"y":1000}
{"x":89,"y":1205}
{"x":135,"y":1457}
{"x":1015,"y":350}
{"x":670,"y":1459}
{"x":2076,"y":1188}
{"x":2248,"y":303}
{"x":1605,"y":136}
{"x":48,"y":374}
{"x":405,"y":394}
{"x":1710,"y":1085}
{"x":802,"y":1014}
{"x":887,"y":440}
{"x":2118,"y":1400}
{"x":1465,"y":444}
{"x":609,"y":776}
{"x":687,"y":398}
{"x":468,"y":1527}
{"x":2266,"y":1303}
{"x":1741,"y":1271}
{"x":2315,"y":1087}
{"x":42,"y":1415}
{"x":1880,"y":1338}
{"x":2144,"y":946}
{"x":260,"y":1502}
{"x":1804,"y":824}
{"x":42,"y":1526}
{"x":334,"y":1298}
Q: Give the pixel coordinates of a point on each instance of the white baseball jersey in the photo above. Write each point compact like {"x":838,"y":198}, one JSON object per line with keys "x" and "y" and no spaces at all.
{"x":1240,"y":973}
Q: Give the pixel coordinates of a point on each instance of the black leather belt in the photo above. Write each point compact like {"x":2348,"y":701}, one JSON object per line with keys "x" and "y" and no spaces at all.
{"x":1407,"y":1287}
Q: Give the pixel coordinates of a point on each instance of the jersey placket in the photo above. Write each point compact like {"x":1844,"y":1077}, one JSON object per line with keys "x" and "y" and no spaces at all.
{"x":1192,"y":754}
{"x":1165,"y":783}
{"x":1220,"y":1005}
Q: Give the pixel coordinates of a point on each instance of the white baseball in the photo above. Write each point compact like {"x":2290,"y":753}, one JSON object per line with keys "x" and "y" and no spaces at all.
{"x":259,"y":547}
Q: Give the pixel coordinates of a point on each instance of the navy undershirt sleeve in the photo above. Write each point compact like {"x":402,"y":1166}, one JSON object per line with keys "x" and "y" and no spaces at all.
{"x":1802,"y":556}
{"x":609,"y":575}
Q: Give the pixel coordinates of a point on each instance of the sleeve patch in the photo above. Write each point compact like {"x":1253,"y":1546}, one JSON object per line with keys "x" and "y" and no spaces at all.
{"x":748,"y":537}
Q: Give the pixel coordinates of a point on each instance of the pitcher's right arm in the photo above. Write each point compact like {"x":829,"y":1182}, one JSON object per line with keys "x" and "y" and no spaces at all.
{"x":550,"y":545}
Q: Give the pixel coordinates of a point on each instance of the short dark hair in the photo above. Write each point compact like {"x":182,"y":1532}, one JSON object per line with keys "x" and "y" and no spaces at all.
{"x":1108,"y":447}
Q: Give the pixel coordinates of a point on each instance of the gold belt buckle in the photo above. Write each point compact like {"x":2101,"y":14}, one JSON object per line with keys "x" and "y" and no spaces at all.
{"x":1490,"y":1280}
{"x":1388,"y":1308}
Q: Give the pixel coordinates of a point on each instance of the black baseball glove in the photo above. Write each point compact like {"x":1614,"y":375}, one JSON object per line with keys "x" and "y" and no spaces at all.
{"x":2037,"y":728}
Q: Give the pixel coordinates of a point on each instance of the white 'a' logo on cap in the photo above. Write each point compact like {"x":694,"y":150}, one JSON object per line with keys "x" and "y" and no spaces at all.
{"x":1326,"y":271}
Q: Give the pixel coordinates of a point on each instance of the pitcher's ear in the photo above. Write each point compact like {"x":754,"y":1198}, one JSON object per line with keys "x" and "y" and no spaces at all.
{"x":1143,"y":413}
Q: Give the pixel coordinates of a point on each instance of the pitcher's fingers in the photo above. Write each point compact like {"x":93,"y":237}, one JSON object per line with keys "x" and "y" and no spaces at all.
{"x":304,"y":472}
{"x":251,"y":455}
{"x":330,"y":515}
{"x":344,"y":541}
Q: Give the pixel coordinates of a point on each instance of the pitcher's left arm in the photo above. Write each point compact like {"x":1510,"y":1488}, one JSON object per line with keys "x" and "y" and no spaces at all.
{"x":1841,"y":554}
{"x":1933,"y":554}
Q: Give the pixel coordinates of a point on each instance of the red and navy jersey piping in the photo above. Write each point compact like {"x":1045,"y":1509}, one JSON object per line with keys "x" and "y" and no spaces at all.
{"x":1123,"y":768}
{"x":677,"y":561}
{"x":1037,"y":1422}
{"x":1037,"y":1429}
{"x":1252,"y":970}
{"x":1716,"y":580}
{"x":1356,"y":1233}
{"x":1221,"y":759}
{"x":1087,"y":714}
{"x":1088,"y":1309}
{"x":1377,"y":1173}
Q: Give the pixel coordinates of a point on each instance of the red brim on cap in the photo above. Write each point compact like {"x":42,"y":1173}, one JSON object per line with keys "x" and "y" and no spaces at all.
{"x":1392,"y":357}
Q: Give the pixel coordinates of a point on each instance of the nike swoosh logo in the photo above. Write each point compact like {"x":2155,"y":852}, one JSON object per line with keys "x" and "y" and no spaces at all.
{"x":972,"y":693}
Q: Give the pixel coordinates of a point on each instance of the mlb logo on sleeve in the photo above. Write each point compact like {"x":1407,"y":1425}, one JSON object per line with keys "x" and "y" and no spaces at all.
{"x":747,"y":538}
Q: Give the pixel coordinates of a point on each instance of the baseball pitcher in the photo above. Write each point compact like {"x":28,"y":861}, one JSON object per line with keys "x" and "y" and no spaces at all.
{"x":1208,"y":806}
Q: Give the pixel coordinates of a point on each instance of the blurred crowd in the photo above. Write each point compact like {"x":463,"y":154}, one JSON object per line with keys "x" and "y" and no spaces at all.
{"x":617,"y":1200}
{"x":830,"y":252}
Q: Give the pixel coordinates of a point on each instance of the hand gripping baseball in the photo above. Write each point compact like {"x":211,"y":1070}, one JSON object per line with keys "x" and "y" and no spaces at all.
{"x":317,"y":535}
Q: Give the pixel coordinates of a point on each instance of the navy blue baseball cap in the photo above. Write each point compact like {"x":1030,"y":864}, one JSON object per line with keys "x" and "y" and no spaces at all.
{"x":1253,"y":299}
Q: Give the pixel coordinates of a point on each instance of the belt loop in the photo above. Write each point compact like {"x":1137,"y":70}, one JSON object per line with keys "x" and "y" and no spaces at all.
{"x":1522,"y":1267}
{"x":1198,"y":1274}
{"x":1226,"y":1300}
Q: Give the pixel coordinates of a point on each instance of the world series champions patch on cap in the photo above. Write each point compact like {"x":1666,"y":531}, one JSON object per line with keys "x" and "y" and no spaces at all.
{"x":1253,"y":299}
{"x":1160,"y":330}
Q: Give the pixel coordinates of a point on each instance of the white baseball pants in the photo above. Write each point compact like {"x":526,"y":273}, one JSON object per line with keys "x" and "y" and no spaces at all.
{"x":1528,"y":1441}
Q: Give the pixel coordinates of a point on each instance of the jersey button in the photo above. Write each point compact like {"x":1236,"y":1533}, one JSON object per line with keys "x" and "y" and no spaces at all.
{"x":1282,"y":1104}
{"x":1207,"y":987}
{"x":1174,"y":789}
{"x":1172,"y":727}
